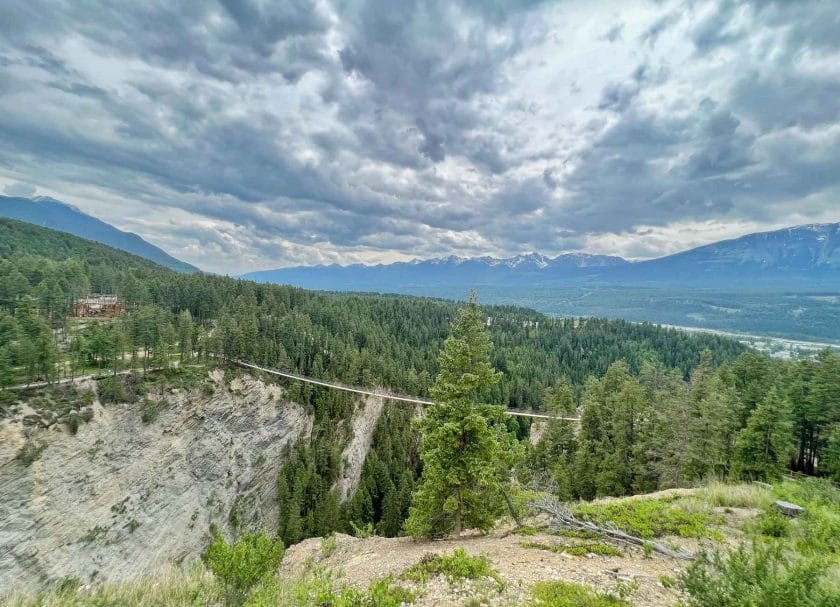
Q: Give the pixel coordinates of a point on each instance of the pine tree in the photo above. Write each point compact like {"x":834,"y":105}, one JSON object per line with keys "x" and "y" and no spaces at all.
{"x":185,"y":335}
{"x":692,"y":425}
{"x":663,"y":443}
{"x":612,"y":428}
{"x":763,"y":446}
{"x":7,"y":375}
{"x":554,"y":453}
{"x":585,"y":469}
{"x":821,"y":410}
{"x":466,"y":450}
{"x":832,"y":455}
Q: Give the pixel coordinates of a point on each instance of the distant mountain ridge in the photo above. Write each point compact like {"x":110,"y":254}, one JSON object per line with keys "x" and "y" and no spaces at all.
{"x":807,"y":255}
{"x":50,"y":213}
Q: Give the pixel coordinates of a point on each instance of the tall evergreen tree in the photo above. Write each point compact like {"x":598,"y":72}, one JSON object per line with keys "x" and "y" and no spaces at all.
{"x":554,"y":453}
{"x":186,"y":332}
{"x":832,"y":455}
{"x":7,"y":375}
{"x":762,"y":447}
{"x":612,"y":430}
{"x":466,"y":449}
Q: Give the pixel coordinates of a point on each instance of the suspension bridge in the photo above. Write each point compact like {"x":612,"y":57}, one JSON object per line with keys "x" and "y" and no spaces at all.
{"x":404,"y":398}
{"x":381,"y":394}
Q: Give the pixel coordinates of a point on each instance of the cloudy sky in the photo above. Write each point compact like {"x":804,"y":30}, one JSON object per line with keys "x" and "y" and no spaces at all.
{"x":242,"y":135}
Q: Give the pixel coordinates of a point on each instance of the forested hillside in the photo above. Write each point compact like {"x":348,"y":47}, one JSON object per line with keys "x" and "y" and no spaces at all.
{"x":362,"y":339}
{"x":50,"y":213}
{"x":660,"y":407}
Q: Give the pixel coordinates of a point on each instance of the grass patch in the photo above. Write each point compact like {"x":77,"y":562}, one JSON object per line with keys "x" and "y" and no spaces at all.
{"x":329,"y":545}
{"x":743,"y":495}
{"x":649,"y":518}
{"x":525,"y":530}
{"x":580,"y":534}
{"x":566,"y":594}
{"x":320,"y":589}
{"x":195,"y":586}
{"x":455,"y":567}
{"x":178,"y":588}
{"x":576,"y":549}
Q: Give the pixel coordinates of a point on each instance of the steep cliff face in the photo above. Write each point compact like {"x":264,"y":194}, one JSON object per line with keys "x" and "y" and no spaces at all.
{"x":122,"y":498}
{"x":363,"y":424}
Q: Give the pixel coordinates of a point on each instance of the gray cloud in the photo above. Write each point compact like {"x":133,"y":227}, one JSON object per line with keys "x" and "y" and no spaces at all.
{"x":614,"y":32}
{"x":260,"y":134}
{"x":24,"y":190}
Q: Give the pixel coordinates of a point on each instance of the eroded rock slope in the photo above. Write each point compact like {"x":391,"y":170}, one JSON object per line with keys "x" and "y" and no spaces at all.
{"x":123,"y":497}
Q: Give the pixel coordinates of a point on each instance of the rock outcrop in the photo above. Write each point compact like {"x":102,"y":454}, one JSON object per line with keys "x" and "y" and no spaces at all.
{"x":121,"y":498}
{"x":353,"y":457}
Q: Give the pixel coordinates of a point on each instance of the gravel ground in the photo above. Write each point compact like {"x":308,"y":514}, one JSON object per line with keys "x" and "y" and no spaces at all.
{"x":362,"y":561}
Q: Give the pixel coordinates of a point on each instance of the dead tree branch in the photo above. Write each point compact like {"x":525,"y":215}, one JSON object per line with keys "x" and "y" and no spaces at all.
{"x":562,"y":518}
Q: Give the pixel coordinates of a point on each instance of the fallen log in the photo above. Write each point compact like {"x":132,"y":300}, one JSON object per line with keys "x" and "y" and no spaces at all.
{"x":562,"y":518}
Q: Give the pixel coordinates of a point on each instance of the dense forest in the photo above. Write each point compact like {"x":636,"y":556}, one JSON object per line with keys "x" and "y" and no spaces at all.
{"x":659,"y":407}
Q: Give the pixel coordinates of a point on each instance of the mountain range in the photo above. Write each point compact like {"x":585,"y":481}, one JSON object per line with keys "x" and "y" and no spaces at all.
{"x":800,"y":257}
{"x":50,"y":213}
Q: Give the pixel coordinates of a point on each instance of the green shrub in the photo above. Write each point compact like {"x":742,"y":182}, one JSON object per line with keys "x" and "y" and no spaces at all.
{"x":329,"y":545}
{"x":566,"y":594}
{"x":74,"y":421}
{"x":648,"y":518}
{"x":763,"y":576}
{"x":30,"y":452}
{"x":149,"y":411}
{"x":773,"y":523}
{"x":455,"y":567}
{"x":111,"y":389}
{"x":67,"y":584}
{"x":93,"y":534}
{"x":240,"y":565}
{"x":362,"y":532}
{"x":382,"y":593}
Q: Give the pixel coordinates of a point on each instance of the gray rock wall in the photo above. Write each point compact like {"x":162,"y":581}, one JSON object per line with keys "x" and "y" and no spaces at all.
{"x":121,"y":498}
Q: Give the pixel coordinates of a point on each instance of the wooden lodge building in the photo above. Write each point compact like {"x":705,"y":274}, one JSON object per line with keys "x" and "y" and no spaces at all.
{"x":98,"y":306}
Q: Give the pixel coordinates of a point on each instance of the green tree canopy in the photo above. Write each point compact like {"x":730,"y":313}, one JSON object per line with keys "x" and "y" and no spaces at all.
{"x":466,"y":450}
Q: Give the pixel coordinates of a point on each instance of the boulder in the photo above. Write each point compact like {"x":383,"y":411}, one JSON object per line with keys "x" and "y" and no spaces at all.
{"x":789,"y":509}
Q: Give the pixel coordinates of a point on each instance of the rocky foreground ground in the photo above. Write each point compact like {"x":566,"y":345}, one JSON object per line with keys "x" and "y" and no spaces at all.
{"x":521,"y":560}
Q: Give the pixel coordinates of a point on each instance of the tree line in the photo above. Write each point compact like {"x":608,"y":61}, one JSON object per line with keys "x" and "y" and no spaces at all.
{"x":753,"y":418}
